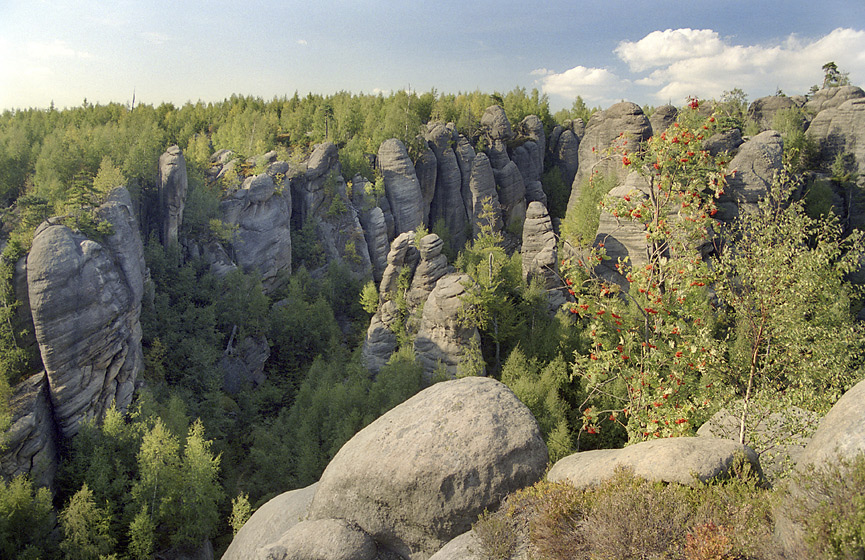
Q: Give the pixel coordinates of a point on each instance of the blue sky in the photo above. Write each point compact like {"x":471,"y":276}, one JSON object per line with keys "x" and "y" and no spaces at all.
{"x":640,"y":50}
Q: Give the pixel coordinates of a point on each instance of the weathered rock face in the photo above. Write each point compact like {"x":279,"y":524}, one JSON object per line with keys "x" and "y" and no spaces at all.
{"x":539,"y":254}
{"x":566,"y":155}
{"x":829,"y":98}
{"x":531,"y":127}
{"x":497,"y":130}
{"x":841,"y":435}
{"x":604,"y":129}
{"x":269,"y":523}
{"x":512,"y":194}
{"x":322,"y":539}
{"x":841,"y":431}
{"x":621,"y":237}
{"x":685,"y":460}
{"x":724,"y":142}
{"x":426,"y":169}
{"x":442,"y":341}
{"x":172,"y":184}
{"x":755,"y":166}
{"x":31,"y":441}
{"x":662,"y":117}
{"x":244,"y":366}
{"x":380,"y":341}
{"x":841,"y":130}
{"x":447,"y":203}
{"x":419,"y":476}
{"x":465,"y":156}
{"x":431,"y":267}
{"x":401,"y":185}
{"x":777,"y":436}
{"x":375,"y":232}
{"x":315,"y":189}
{"x":85,"y":299}
{"x":262,"y":215}
{"x":763,"y":110}
{"x":483,"y":189}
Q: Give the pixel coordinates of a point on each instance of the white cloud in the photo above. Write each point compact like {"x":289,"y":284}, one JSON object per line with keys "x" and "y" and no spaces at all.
{"x":154,"y":37}
{"x":592,"y":84}
{"x":660,"y":48}
{"x":302,"y":42}
{"x":685,"y":63}
{"x":541,"y":72}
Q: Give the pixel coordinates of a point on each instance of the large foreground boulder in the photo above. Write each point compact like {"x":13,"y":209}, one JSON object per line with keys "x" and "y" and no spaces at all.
{"x":421,"y":474}
{"x":685,"y":460}
{"x":269,"y":523}
{"x":841,"y":435}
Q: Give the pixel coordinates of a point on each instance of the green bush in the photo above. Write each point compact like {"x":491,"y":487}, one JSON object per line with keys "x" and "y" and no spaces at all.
{"x":831,"y":507}
{"x":581,"y":222}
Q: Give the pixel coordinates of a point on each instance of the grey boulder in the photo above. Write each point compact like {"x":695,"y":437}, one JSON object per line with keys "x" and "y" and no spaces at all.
{"x":685,"y":460}
{"x":420,"y":475}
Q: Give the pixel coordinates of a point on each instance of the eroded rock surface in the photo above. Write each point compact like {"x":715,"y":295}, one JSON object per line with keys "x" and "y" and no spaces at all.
{"x":443,"y":341}
{"x":421,"y":474}
{"x":401,"y":185}
{"x":31,"y":443}
{"x":85,"y":298}
{"x":262,"y":216}
{"x":685,"y":460}
{"x":172,"y":183}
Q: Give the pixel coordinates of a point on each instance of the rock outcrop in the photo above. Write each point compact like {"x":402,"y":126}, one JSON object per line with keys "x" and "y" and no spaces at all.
{"x":323,"y":539}
{"x":269,"y":523}
{"x":684,"y":460}
{"x":482,"y":185}
{"x":840,"y":130}
{"x":762,"y":111}
{"x":566,"y":155}
{"x":539,"y":254}
{"x":447,"y":203}
{"x":381,"y":340}
{"x":31,"y":443}
{"x":753,"y":170}
{"x":85,"y":299}
{"x":421,"y":474}
{"x":261,"y":214}
{"x":443,"y":343}
{"x":662,"y":117}
{"x":172,"y":183}
{"x":841,"y":435}
{"x":401,"y":185}
{"x":829,"y":98}
{"x":623,"y":121}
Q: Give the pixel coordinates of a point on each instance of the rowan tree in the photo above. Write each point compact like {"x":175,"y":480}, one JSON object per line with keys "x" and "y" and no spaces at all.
{"x":651,"y":337}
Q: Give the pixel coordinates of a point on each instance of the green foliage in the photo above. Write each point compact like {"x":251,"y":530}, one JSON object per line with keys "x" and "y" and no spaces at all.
{"x":306,"y":249}
{"x":26,"y":519}
{"x":819,"y":199}
{"x":626,"y":517}
{"x":831,"y":506}
{"x":86,"y":528}
{"x":581,"y":222}
{"x":652,"y":343}
{"x":336,"y":399}
{"x":240,"y":512}
{"x":833,"y":77}
{"x":544,"y":389}
{"x":800,"y":149}
{"x":801,"y":349}
{"x":578,"y":110}
{"x":732,"y":109}
{"x":558,"y":193}
{"x":369,"y":298}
